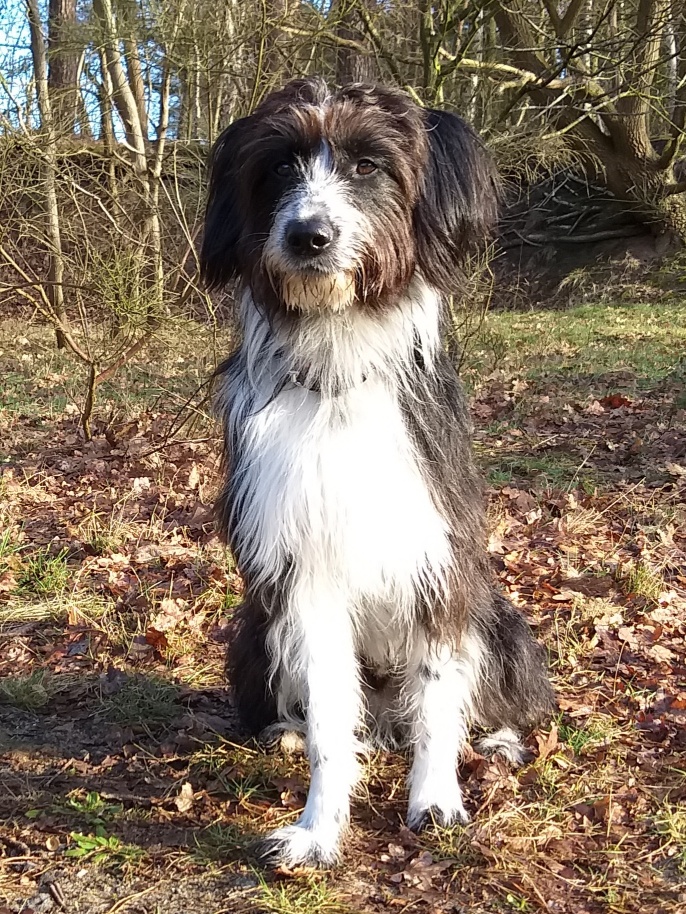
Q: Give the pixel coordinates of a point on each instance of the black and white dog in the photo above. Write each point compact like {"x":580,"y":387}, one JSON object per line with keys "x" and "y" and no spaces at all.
{"x":351,"y":501}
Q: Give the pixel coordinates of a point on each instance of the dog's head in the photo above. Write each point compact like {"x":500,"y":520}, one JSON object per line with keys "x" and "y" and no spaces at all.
{"x":329,"y":200}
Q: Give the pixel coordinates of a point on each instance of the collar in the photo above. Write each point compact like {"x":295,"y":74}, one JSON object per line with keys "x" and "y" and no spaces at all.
{"x":299,"y":379}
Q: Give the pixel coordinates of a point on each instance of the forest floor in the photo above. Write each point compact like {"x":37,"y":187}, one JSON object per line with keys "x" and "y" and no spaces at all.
{"x":124,"y":785}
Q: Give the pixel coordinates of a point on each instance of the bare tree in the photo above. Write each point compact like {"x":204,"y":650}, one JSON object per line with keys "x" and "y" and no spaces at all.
{"x":55,"y":286}
{"x":63,"y":65}
{"x":353,"y":65}
{"x":599,"y":84}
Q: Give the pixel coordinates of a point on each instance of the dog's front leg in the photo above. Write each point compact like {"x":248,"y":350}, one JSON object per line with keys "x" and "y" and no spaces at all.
{"x":438,"y":693}
{"x":322,"y":662}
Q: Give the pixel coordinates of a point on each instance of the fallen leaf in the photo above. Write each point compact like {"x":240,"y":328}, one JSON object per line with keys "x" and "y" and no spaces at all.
{"x":184,"y":801}
{"x":547,"y":743}
{"x":615,"y":401}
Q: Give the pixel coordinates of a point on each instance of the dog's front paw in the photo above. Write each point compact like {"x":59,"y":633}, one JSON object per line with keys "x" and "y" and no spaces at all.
{"x":417,"y":819}
{"x":297,"y":845}
{"x":443,"y":807}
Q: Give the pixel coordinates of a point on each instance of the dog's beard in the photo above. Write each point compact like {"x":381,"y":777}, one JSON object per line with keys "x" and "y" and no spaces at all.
{"x":316,"y":292}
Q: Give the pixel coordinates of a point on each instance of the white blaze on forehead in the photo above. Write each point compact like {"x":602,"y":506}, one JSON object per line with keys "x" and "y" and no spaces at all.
{"x":321,"y":192}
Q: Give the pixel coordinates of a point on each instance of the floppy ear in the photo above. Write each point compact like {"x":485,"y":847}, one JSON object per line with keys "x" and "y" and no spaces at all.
{"x":220,"y":252}
{"x":458,"y":204}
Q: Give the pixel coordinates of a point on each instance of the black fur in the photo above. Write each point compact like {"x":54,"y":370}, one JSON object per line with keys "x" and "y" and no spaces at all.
{"x":515,"y":691}
{"x":459,"y":201}
{"x":428,"y":202}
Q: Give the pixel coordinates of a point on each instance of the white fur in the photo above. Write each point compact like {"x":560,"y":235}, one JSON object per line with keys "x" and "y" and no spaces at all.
{"x":320,"y":192}
{"x":440,"y":685}
{"x":322,"y":663}
{"x":506,"y":742}
{"x":335,"y":481}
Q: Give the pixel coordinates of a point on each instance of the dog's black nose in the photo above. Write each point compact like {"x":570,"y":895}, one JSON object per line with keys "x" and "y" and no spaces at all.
{"x":309,"y":237}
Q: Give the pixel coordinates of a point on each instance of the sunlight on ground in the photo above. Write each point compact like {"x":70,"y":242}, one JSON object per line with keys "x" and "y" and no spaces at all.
{"x":120,"y":747}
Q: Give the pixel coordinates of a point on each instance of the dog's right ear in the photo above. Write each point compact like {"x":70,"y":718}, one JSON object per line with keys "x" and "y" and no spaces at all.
{"x":220,"y":255}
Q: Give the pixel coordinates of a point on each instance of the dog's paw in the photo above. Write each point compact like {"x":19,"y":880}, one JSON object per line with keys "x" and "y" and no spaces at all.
{"x":507,"y":743}
{"x":296,"y":845}
{"x":419,"y":818}
{"x":279,"y":739}
{"x":436,"y":802}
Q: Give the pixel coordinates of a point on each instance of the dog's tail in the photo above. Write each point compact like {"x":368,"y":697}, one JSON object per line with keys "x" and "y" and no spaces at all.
{"x":513,"y":689}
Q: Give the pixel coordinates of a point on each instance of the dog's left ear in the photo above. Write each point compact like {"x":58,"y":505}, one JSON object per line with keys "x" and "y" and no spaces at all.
{"x":458,"y":204}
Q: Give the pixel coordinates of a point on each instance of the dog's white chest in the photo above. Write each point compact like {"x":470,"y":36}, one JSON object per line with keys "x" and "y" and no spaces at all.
{"x":334,"y":487}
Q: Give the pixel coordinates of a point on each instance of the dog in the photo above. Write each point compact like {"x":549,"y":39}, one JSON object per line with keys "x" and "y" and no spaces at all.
{"x":351,"y":500}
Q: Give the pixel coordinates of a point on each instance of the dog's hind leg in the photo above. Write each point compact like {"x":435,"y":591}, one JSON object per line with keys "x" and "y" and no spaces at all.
{"x":438,"y":696}
{"x":321,"y":657}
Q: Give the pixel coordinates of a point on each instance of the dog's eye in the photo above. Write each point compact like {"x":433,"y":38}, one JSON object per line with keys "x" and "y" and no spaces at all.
{"x":365,"y":167}
{"x":284,"y":169}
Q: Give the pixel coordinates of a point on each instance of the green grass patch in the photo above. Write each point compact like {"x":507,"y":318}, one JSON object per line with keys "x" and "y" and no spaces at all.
{"x":43,"y":574}
{"x":148,"y":702}
{"x":597,"y":731}
{"x":243,"y":773}
{"x":642,"y":580}
{"x":33,"y":691}
{"x":8,"y":549}
{"x":40,"y":382}
{"x":310,"y":896}
{"x":670,"y":822}
{"x":557,"y":470}
{"x":451,"y":843}
{"x":646,"y":340}
{"x":219,"y":843}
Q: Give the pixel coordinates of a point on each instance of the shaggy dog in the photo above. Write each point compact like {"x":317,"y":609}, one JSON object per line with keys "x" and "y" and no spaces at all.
{"x":351,"y":502}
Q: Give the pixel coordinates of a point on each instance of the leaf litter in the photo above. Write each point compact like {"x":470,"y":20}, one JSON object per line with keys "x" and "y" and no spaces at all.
{"x":124,"y":775}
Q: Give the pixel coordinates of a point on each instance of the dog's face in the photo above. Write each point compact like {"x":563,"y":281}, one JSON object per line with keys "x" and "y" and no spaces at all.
{"x":322,"y":200}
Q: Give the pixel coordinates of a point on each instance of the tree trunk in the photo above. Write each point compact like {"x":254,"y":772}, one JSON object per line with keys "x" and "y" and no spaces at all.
{"x":645,"y":186}
{"x":63,"y":65}
{"x":351,"y":65}
{"x":55,"y":290}
{"x":615,"y":142}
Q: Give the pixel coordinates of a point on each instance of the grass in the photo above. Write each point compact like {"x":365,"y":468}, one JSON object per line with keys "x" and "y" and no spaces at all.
{"x":149,"y":702}
{"x":670,"y":823}
{"x":33,"y":691}
{"x":40,"y":383}
{"x":598,"y":730}
{"x":452,"y":843}
{"x":8,"y":549}
{"x":242,"y":772}
{"x":559,"y":470}
{"x":73,"y":607}
{"x":43,"y":574}
{"x":642,"y":580}
{"x":221,"y":842}
{"x":588,"y":340}
{"x":310,"y":896}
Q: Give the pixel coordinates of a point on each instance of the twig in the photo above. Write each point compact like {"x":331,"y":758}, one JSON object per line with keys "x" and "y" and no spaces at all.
{"x":124,"y":901}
